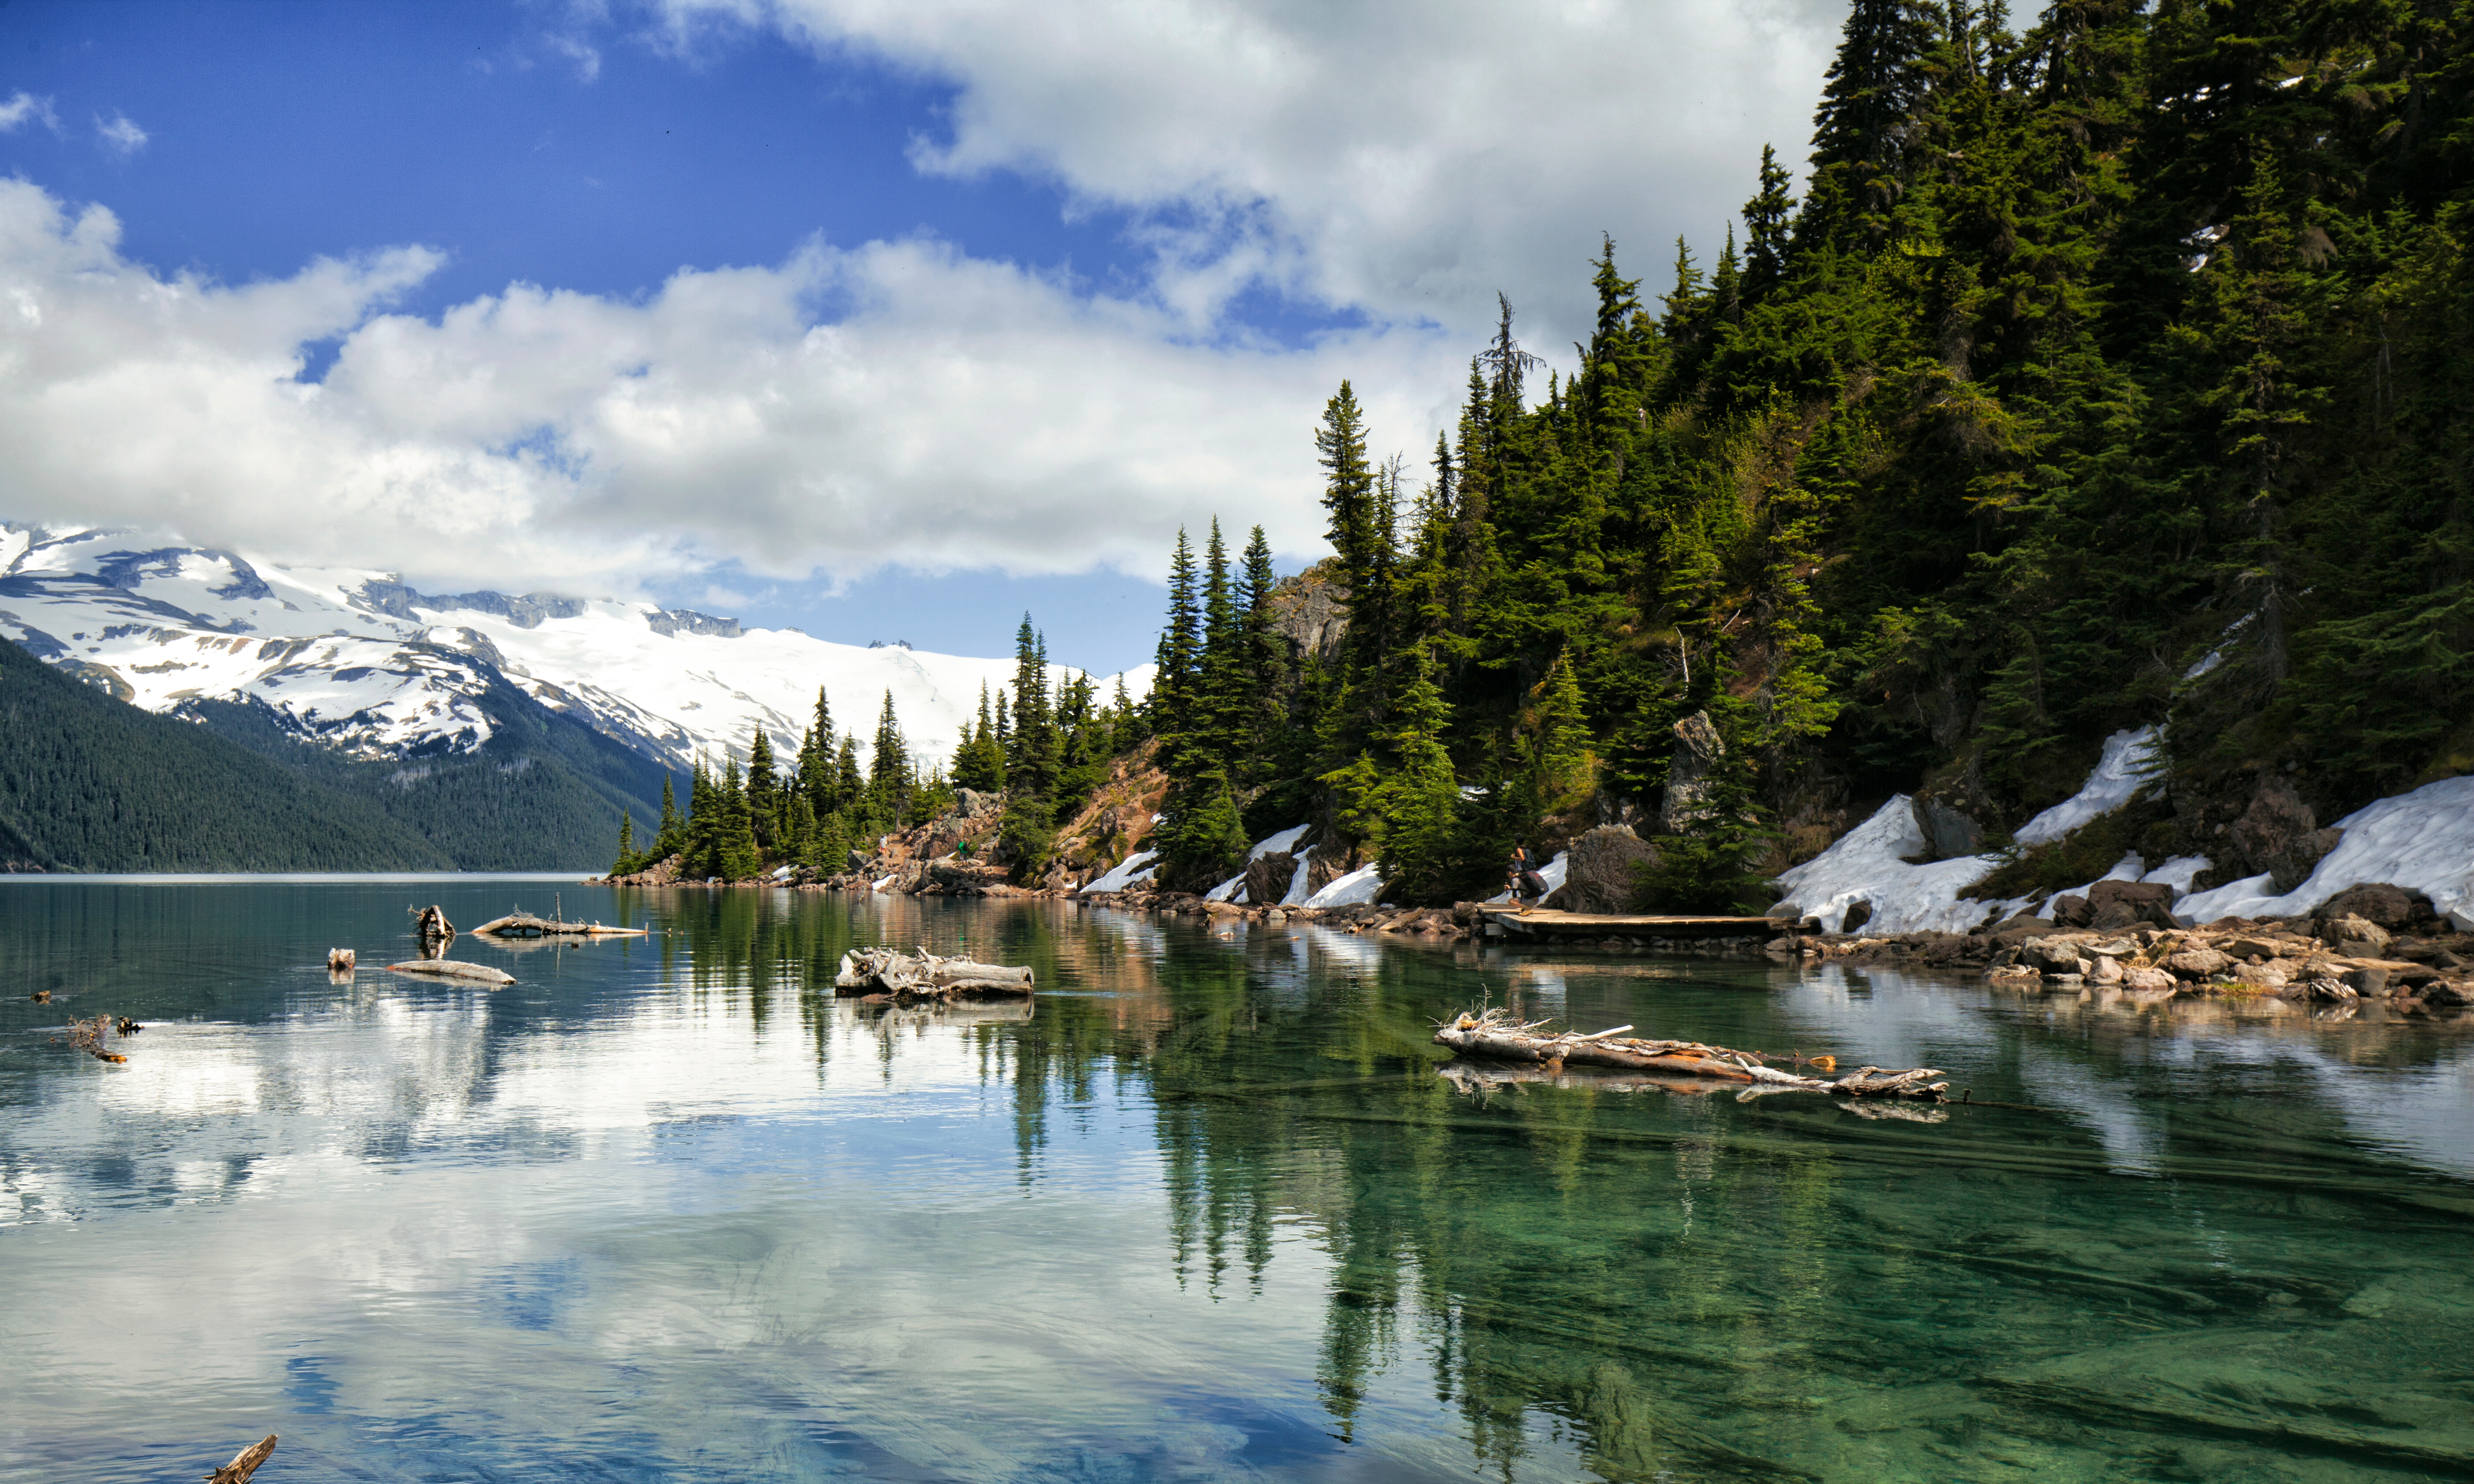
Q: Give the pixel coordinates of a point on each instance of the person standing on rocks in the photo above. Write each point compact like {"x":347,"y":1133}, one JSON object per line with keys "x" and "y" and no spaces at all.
{"x":1527,"y":886}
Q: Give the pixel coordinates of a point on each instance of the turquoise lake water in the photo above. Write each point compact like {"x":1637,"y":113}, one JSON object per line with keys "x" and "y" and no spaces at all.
{"x":1207,"y":1211}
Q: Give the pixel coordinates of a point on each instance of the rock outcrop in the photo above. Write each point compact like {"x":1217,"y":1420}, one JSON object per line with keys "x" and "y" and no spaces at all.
{"x":1602,"y":872}
{"x":2280,"y":833}
{"x":1268,"y":876}
{"x":1690,"y":774}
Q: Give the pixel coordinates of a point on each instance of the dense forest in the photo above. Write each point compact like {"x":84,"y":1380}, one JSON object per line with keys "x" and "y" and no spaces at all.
{"x":1042,"y":747}
{"x":2107,"y":374}
{"x":89,"y":783}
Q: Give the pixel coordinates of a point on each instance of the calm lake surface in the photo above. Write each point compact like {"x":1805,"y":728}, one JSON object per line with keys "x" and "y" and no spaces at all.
{"x":1207,"y":1211}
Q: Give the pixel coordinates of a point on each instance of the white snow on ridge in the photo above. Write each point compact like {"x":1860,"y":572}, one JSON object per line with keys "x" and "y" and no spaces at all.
{"x":354,"y":659}
{"x":2128,"y":761}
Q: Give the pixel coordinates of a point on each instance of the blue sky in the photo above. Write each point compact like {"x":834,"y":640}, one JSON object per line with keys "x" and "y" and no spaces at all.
{"x":884,"y":324}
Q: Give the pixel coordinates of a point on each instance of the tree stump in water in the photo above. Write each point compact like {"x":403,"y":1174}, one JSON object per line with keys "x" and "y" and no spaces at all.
{"x":244,"y":1463}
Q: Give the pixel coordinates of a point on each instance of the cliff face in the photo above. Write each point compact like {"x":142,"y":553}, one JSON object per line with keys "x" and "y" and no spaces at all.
{"x":1313,"y":608}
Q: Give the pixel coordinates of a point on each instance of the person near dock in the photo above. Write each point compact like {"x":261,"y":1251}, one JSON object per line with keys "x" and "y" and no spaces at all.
{"x":1527,"y":886}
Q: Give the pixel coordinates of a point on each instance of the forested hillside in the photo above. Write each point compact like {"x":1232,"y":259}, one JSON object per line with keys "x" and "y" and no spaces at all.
{"x":89,"y":784}
{"x":2112,"y":373}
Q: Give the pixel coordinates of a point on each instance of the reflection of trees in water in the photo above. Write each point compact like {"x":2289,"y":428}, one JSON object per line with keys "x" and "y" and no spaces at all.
{"x":1625,"y":1270}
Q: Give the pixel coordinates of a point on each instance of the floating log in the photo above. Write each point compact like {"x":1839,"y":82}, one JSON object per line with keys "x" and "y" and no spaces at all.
{"x":244,"y":1463}
{"x":523,"y":924}
{"x":910,"y":978}
{"x":430,"y":924}
{"x":1495,"y":1034}
{"x":341,"y":961}
{"x":453,"y":969}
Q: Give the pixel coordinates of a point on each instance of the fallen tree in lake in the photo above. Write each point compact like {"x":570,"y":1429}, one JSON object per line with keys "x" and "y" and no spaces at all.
{"x":908,"y":978}
{"x":523,"y":924}
{"x":1495,"y":1036}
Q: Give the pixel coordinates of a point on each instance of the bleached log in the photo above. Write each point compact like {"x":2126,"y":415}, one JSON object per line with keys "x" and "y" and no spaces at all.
{"x":450,"y":969}
{"x":1495,"y":1036}
{"x":924,"y":976}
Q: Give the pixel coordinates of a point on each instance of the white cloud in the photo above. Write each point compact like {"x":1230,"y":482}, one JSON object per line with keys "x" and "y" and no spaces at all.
{"x":119,"y":133}
{"x":958,"y":414}
{"x":1409,"y":159}
{"x":23,"y":107}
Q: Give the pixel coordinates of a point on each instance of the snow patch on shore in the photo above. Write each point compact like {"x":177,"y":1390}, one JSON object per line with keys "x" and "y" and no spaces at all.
{"x":1866,"y":864}
{"x":1126,"y":872}
{"x":2422,"y":840}
{"x":1362,"y":885}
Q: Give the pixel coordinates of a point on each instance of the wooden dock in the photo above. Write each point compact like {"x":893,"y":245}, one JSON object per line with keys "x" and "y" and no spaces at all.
{"x":526,"y":925}
{"x":1540,"y":923}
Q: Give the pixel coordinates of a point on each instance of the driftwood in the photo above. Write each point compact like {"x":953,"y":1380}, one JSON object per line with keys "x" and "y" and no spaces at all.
{"x":908,"y":978}
{"x":89,"y":1035}
{"x":454,"y":968}
{"x":430,"y":925}
{"x":342,"y":961}
{"x":1495,"y":1036}
{"x":523,"y":924}
{"x":244,"y":1463}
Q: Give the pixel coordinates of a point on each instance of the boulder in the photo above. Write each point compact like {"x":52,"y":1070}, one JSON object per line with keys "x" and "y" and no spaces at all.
{"x":1602,"y":872}
{"x":2052,"y":956}
{"x":2071,"y":912}
{"x":2355,"y":938}
{"x":2371,"y":983}
{"x":2279,"y":834}
{"x":1268,"y":876}
{"x":1858,"y":912}
{"x":2139,"y":901}
{"x":2104,"y":971}
{"x":2012,"y":931}
{"x":1948,"y":833}
{"x":1690,"y":774}
{"x":2448,"y":992}
{"x":2377,"y":902}
{"x":2199,"y":962}
{"x":2147,"y":979}
{"x":973,"y":806}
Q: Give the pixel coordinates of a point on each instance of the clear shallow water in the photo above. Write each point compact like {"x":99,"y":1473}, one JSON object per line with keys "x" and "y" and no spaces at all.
{"x":657,"y":1211}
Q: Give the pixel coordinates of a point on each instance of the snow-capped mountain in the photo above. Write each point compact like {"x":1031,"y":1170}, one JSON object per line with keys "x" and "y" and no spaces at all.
{"x":365,"y":664}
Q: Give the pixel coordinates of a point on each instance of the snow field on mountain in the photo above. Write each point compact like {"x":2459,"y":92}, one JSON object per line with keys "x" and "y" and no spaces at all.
{"x":171,"y":623}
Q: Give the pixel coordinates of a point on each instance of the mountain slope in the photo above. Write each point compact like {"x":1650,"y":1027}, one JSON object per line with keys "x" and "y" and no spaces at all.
{"x":361,"y":662}
{"x":89,"y":784}
{"x":542,"y":793}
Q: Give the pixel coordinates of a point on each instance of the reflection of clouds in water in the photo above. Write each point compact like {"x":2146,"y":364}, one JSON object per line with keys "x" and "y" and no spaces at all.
{"x":1904,"y":1022}
{"x":1343,"y":952}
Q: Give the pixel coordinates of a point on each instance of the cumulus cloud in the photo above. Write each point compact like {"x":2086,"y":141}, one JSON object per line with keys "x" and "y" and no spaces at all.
{"x":119,"y":133}
{"x":24,"y":108}
{"x":951,"y":413}
{"x":1408,"y":160}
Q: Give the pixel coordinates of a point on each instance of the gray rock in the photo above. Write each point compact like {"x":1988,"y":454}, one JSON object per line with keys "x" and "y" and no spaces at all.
{"x":2140,"y":901}
{"x":973,"y":805}
{"x":2279,"y":832}
{"x":1601,"y":872}
{"x":2378,"y":902}
{"x":1268,"y":876}
{"x":2357,"y":937}
{"x":2071,"y":912}
{"x":1948,"y":833}
{"x":1690,"y":773}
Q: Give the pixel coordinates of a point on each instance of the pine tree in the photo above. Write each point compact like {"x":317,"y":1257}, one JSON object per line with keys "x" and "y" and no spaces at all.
{"x":1767,"y":217}
{"x":888,"y":771}
{"x":671,"y":837}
